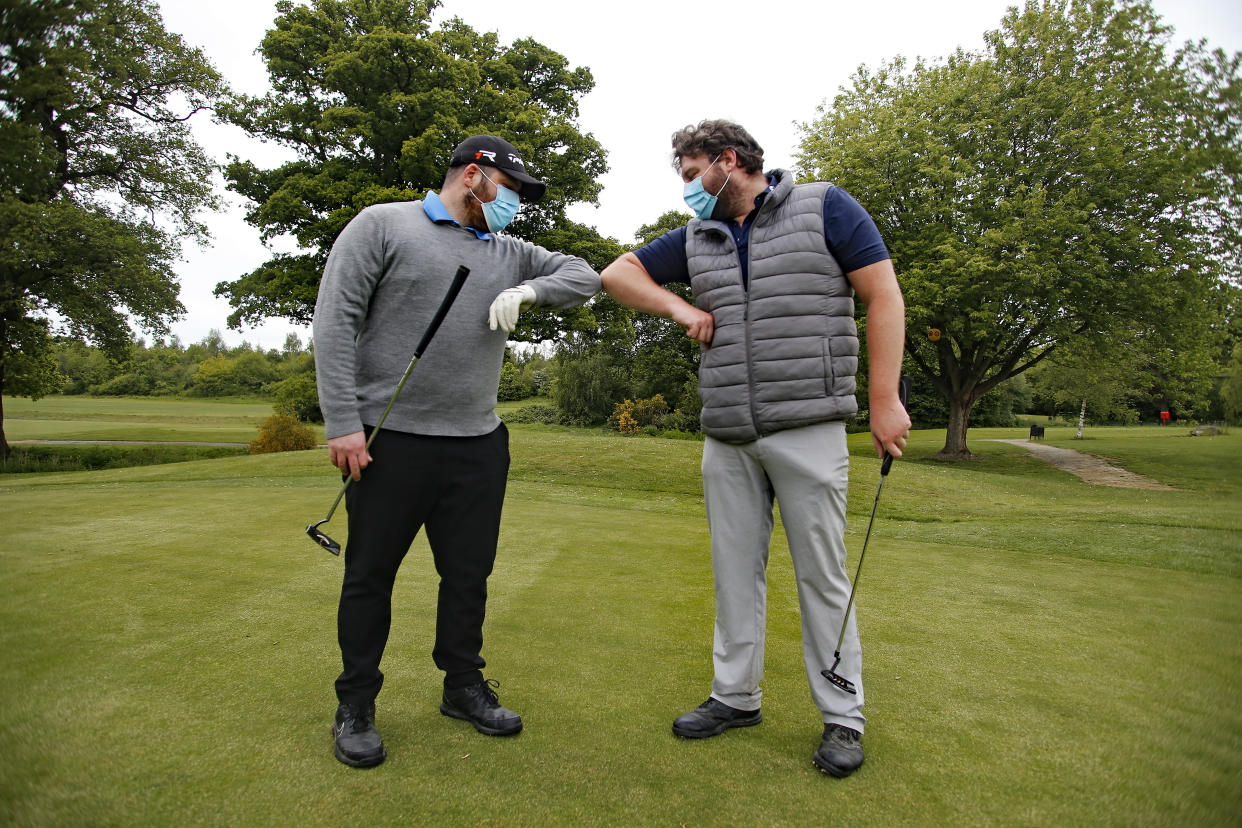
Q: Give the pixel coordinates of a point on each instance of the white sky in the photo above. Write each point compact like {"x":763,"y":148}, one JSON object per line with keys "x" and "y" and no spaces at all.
{"x":657,"y":67}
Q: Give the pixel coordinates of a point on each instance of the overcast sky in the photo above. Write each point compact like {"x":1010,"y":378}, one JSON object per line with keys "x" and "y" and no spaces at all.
{"x":657,"y":67}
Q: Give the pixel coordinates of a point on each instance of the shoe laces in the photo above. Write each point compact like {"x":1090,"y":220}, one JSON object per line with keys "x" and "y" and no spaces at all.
{"x":846,"y":735}
{"x":488,"y":689}
{"x":360,"y":718}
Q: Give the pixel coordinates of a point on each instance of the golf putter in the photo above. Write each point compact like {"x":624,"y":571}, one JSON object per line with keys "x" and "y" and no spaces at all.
{"x":839,"y":681}
{"x":318,"y":535}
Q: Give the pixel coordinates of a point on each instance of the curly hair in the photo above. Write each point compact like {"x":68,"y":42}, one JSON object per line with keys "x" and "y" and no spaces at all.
{"x":713,"y":137}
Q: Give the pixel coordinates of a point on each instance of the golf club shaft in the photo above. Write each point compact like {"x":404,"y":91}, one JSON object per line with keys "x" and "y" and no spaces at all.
{"x":903,"y":392}
{"x":861,"y":555}
{"x":458,"y":280}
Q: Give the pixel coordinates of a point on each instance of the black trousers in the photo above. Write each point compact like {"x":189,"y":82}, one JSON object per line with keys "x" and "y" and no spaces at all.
{"x":455,"y":486}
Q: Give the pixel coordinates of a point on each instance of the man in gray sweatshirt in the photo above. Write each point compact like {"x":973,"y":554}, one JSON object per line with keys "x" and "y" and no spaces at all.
{"x":442,"y":459}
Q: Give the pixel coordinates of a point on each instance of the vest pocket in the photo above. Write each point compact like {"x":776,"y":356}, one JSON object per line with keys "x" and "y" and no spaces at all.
{"x":829,"y":376}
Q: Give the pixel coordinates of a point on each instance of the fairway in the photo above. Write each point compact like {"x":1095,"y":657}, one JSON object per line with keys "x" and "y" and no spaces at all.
{"x":134,"y":418}
{"x":1038,"y":650}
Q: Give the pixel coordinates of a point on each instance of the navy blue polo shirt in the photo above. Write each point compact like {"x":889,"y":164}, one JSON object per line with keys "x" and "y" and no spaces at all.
{"x":853,"y":239}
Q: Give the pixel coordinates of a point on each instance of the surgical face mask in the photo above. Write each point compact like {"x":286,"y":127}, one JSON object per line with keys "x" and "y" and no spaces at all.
{"x":698,"y":199}
{"x":499,"y":212}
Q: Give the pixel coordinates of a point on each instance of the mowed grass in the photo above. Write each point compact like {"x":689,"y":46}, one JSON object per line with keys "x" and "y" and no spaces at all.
{"x":170,"y":419}
{"x":1038,"y":650}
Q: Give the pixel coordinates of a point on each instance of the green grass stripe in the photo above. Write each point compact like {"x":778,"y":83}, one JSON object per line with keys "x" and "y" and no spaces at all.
{"x":1038,"y":650}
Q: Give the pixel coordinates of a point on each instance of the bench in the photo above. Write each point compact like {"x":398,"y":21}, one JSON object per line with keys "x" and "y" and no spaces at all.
{"x":1037,"y":433}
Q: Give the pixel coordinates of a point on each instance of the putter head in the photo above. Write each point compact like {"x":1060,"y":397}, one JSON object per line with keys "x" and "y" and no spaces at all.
{"x":839,"y":682}
{"x":322,"y":539}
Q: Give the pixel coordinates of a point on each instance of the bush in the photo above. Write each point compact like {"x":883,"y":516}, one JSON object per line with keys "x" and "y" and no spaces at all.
{"x":298,"y":397}
{"x":634,"y":416}
{"x":536,"y":413}
{"x":626,"y":424}
{"x":222,"y":376}
{"x":586,"y":388}
{"x":280,"y":432}
{"x":682,"y":421}
{"x":38,"y":459}
{"x":126,"y":385}
{"x":514,"y":385}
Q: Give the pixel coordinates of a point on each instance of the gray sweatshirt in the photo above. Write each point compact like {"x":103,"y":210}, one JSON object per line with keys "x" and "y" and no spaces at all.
{"x":386,"y":275}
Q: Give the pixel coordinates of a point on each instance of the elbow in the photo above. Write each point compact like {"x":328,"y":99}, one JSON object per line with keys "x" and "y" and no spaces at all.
{"x":608,"y":277}
{"x":613,"y":275}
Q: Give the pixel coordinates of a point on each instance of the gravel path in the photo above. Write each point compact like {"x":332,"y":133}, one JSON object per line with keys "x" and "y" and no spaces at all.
{"x":1090,"y":469}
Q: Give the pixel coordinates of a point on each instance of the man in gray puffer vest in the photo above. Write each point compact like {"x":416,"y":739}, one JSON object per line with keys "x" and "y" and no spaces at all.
{"x":774,"y":267}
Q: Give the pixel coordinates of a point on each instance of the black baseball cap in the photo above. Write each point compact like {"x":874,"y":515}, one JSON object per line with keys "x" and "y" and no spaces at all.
{"x":490,"y":151}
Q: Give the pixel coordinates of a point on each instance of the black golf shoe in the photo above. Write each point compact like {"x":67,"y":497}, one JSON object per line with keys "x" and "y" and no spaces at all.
{"x":840,"y":753}
{"x":479,"y":705}
{"x":358,"y":743}
{"x":711,"y":718}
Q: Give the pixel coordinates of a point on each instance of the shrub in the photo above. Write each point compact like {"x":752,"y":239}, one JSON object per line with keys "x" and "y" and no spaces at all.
{"x":222,"y":376}
{"x":626,"y":424}
{"x":633,"y":416}
{"x":536,"y":413}
{"x":514,"y":384}
{"x":586,"y":388}
{"x":88,"y":458}
{"x":280,"y":432}
{"x":680,"y":420}
{"x":126,"y":385}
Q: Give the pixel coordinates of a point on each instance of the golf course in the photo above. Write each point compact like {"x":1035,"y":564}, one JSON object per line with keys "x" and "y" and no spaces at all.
{"x":1038,"y":650}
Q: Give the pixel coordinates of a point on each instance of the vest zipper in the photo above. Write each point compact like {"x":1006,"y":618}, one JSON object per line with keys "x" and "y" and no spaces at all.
{"x":750,"y":366}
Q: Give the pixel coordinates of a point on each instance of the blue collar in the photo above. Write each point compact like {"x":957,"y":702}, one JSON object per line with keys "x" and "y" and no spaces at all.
{"x":437,"y":212}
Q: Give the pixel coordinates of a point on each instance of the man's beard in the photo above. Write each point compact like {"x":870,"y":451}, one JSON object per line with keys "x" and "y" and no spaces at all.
{"x":729,"y":204}
{"x":474,"y":211}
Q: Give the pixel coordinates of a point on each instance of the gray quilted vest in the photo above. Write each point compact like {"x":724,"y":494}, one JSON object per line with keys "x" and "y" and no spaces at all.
{"x":786,"y":348}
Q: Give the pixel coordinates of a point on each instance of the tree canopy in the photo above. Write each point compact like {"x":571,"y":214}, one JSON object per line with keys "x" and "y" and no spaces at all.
{"x":1075,"y":182}
{"x":100,"y":179}
{"x":373,"y":99}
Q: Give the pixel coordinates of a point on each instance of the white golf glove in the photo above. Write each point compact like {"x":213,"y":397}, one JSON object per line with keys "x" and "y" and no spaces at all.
{"x":507,"y":305}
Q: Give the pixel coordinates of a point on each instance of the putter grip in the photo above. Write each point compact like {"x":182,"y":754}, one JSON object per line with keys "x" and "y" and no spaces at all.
{"x":903,"y":390}
{"x":442,"y":311}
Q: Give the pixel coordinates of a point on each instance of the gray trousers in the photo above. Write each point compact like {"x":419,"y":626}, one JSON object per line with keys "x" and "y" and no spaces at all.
{"x":806,"y":471}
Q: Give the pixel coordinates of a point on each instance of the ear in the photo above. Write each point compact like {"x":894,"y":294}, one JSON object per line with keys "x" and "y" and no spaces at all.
{"x":728,"y":159}
{"x":470,"y":176}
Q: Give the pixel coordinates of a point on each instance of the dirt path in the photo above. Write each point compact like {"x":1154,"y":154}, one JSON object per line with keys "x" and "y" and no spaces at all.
{"x":1090,"y":469}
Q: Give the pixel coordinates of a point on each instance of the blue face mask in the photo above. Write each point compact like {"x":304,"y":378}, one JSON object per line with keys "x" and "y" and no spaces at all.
{"x":697,"y":199}
{"x":499,"y":212}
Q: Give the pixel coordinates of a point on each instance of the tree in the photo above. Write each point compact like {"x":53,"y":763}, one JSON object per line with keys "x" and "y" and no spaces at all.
{"x":664,"y":359}
{"x":612,"y":352}
{"x":1101,"y":382}
{"x":1072,"y":181}
{"x":298,"y":397}
{"x":99,"y":177}
{"x":373,"y":100}
{"x":246,"y":373}
{"x":1232,"y":390}
{"x":587,"y":387}
{"x":513,"y":384}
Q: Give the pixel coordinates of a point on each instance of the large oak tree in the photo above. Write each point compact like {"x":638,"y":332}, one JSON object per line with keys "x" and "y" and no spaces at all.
{"x":372,"y":98}
{"x":1076,"y":179}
